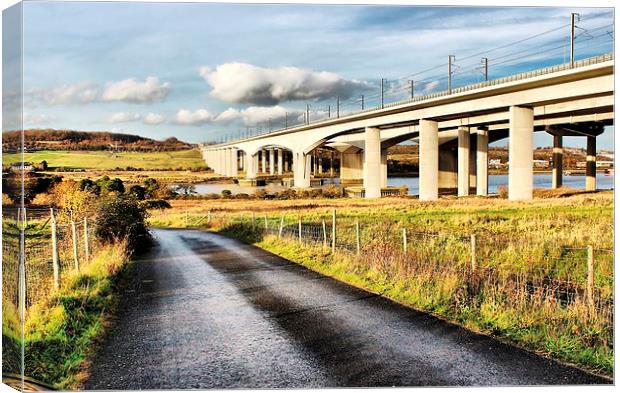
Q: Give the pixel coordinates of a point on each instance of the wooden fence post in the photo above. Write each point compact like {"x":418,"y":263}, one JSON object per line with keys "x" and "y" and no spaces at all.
{"x":324,"y":233}
{"x":209,"y":217}
{"x":86,"y":245}
{"x":405,"y":240}
{"x":357,"y":235}
{"x":266,"y":223}
{"x":74,"y":240}
{"x":333,"y":231}
{"x":474,"y":259}
{"x":281,"y":226}
{"x":55,"y":264}
{"x":299,"y":229}
{"x":590,"y":287}
{"x":25,"y":218}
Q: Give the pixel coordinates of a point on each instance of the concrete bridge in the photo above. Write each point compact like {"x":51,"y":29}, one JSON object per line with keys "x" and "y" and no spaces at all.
{"x":452,"y":128}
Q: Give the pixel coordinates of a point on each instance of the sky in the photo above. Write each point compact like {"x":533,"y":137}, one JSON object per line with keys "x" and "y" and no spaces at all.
{"x":203,"y":72}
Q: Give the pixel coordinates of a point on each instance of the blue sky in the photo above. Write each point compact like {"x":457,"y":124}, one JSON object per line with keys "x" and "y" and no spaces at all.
{"x":203,"y":71}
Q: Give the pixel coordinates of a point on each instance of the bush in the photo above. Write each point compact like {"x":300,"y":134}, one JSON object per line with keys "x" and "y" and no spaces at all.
{"x":137,"y":192}
{"x":120,"y":218}
{"x":226,"y":194}
{"x":503,"y":192}
{"x":155,"y":204}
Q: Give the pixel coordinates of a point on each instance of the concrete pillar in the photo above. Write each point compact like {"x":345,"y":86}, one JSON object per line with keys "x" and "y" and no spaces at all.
{"x":320,"y":166}
{"x":521,"y":153}
{"x":280,"y":161}
{"x":241,"y":159}
{"x":591,"y":163}
{"x":272,"y":162}
{"x":429,"y":160}
{"x":351,"y":166}
{"x":301,"y":170}
{"x":372,"y":163}
{"x":286,"y":162}
{"x":227,"y":162}
{"x":218,"y":160}
{"x":263,"y":154}
{"x":251,"y":165}
{"x":482,"y":163}
{"x":473,"y":141}
{"x":463,"y":161}
{"x":556,"y":172}
{"x":234,"y":162}
{"x":331,"y":164}
{"x":384,"y":168}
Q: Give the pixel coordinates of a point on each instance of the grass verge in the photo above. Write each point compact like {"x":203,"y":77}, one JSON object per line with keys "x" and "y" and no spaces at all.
{"x":571,"y":334}
{"x":62,"y":330}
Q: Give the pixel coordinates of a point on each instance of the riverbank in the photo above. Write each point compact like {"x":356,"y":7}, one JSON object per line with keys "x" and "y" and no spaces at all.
{"x":521,"y":237}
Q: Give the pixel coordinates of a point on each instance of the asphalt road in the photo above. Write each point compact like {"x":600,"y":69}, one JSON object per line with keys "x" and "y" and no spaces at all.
{"x":206,"y":311}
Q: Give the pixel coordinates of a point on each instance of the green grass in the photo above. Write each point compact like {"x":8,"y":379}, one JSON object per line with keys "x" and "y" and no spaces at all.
{"x":101,"y":160}
{"x":61,"y":331}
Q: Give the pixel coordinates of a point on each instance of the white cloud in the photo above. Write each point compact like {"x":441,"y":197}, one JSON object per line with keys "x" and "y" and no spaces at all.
{"x":80,"y":93}
{"x":196,"y":118}
{"x":153,"y":118}
{"x":130,"y":90}
{"x":123,"y":117}
{"x":430,"y":86}
{"x":30,"y":120}
{"x":246,"y":83}
{"x":259,"y":114}
{"x":228,"y":116}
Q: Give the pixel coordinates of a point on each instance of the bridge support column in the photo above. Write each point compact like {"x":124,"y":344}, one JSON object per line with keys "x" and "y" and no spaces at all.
{"x":429,"y":160}
{"x":263,"y":154}
{"x":372,"y":163}
{"x":591,"y":163}
{"x":384,"y":168}
{"x":302,"y":165}
{"x":280,"y":161}
{"x":286,"y":162}
{"x":218,"y":161}
{"x":331,"y":164}
{"x":234,"y":162}
{"x":228,"y":162}
{"x":463,"y":161}
{"x":319,"y":166}
{"x":251,"y":166}
{"x":482,"y":162}
{"x":241,"y":159}
{"x":272,"y":162}
{"x":351,"y":167}
{"x":556,"y":172}
{"x":521,"y":153}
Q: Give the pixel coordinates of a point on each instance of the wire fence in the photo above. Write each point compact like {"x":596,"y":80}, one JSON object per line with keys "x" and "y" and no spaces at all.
{"x":530,"y":268}
{"x":52,"y":250}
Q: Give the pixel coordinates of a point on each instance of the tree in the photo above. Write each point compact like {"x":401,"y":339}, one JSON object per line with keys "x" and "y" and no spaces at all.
{"x":137,"y":192}
{"x":120,"y":218}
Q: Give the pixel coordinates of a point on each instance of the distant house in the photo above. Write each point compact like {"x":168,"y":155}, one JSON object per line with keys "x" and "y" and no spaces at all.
{"x":604,"y":164}
{"x":541,"y":163}
{"x":21,"y":166}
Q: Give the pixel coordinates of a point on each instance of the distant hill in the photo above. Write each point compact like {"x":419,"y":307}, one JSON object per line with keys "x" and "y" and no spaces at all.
{"x":50,"y":139}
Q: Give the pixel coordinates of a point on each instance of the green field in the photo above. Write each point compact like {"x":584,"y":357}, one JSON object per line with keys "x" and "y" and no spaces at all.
{"x":103,"y":160}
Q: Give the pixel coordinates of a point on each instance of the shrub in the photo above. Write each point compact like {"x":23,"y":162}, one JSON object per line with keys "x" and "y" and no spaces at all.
{"x":155,"y":204}
{"x":503,"y":192}
{"x":137,"y":192}
{"x":226,"y":194}
{"x":120,"y":218}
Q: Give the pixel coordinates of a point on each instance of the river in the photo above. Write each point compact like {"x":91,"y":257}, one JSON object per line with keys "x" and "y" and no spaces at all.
{"x":541,"y":180}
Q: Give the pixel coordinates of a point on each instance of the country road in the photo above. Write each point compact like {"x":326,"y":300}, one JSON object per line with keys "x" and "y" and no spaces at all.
{"x":206,"y":311}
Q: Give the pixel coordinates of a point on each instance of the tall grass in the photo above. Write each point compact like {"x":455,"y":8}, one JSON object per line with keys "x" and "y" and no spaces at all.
{"x":61,"y":329}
